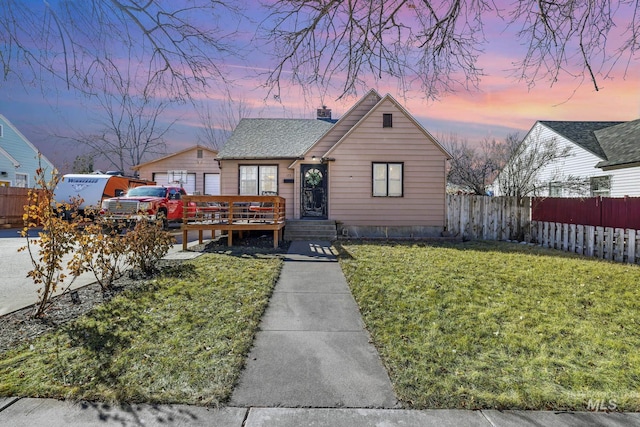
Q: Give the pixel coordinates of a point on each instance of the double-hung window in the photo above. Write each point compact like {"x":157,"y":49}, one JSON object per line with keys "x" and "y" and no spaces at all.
{"x":257,"y":180}
{"x":388,"y":179}
{"x":22,"y":180}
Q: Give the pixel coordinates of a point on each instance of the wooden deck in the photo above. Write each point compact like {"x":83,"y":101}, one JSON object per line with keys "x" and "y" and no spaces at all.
{"x":233,"y":213}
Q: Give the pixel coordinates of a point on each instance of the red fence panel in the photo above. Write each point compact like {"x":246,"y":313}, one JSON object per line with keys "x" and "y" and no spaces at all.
{"x":621,"y":212}
{"x":566,"y":211}
{"x":597,"y":211}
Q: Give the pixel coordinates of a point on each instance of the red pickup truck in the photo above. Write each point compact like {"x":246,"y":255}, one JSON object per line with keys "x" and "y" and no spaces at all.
{"x":149,"y":202}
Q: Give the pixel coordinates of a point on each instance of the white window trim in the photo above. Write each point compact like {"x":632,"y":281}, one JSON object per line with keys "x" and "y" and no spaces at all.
{"x":26,"y":179}
{"x":259,"y":186}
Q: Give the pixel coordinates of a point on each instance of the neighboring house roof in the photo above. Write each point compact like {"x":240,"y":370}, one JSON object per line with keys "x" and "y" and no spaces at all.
{"x":25,"y":141}
{"x":168,"y":156}
{"x":581,"y":133}
{"x":273,"y":138}
{"x":621,"y":144}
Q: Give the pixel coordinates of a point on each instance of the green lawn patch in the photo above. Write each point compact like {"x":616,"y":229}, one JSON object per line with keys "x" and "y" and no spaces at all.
{"x":499,"y":325}
{"x":182,"y":338}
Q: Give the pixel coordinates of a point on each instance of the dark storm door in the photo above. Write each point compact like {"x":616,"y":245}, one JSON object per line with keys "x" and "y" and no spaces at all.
{"x":313,"y":195}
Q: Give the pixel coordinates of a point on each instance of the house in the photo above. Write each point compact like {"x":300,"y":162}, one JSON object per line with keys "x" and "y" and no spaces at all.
{"x":195,"y":168}
{"x":19,"y":158}
{"x":376,"y":171}
{"x":603,"y":159}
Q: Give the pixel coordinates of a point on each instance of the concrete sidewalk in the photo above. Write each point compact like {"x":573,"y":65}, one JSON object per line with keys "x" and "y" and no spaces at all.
{"x":311,"y":365}
{"x":54,"y":413}
{"x":312,"y":349}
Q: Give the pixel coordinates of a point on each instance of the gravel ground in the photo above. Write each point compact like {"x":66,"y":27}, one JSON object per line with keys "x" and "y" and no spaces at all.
{"x":19,"y":326}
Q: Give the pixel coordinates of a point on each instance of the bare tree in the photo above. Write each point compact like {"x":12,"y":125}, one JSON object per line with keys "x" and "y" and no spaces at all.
{"x":473,"y":167}
{"x":217,"y":127}
{"x":431,"y":44}
{"x":180,"y":44}
{"x":437,"y":43}
{"x":526,"y":160}
{"x":129,"y":124}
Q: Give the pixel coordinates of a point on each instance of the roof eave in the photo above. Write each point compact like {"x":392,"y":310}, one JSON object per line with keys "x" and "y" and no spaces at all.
{"x":606,"y":166}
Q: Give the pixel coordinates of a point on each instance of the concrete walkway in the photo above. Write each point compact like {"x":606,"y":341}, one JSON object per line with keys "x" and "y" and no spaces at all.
{"x":311,"y":365}
{"x":312,"y":349}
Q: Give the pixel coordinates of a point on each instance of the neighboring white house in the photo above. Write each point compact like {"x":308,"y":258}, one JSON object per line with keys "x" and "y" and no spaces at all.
{"x":603,"y":160}
{"x":19,"y":159}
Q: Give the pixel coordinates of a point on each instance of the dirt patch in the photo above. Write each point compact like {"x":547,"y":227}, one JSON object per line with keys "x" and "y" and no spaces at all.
{"x":19,"y":326}
{"x":252,"y":242}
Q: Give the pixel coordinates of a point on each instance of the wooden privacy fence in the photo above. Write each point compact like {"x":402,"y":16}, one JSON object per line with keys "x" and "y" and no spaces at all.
{"x":615,"y":244}
{"x":12,"y":201}
{"x":488,"y":218}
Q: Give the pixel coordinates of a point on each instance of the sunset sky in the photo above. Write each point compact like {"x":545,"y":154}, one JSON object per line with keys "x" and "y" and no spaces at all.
{"x":501,"y":106}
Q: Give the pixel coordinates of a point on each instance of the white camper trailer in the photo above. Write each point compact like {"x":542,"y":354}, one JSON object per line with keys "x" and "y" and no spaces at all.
{"x":88,"y":190}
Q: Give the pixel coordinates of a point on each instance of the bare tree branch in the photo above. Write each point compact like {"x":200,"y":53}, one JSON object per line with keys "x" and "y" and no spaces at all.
{"x":437,"y":44}
{"x":217,"y":127}
{"x":520,"y":176}
{"x":473,"y":167}
{"x":181,"y":43}
{"x":130,"y":128}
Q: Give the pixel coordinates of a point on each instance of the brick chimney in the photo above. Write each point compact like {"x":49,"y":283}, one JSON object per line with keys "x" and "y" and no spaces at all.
{"x":324,"y":113}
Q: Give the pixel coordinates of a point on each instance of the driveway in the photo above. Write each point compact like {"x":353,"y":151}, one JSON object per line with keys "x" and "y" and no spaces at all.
{"x":16,"y":289}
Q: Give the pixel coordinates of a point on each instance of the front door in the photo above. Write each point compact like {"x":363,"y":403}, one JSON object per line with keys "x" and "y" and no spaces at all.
{"x":314,"y":191}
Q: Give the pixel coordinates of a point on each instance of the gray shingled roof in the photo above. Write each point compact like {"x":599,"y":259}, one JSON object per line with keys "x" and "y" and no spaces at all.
{"x":273,"y":138}
{"x":621,"y":143}
{"x":581,"y":133}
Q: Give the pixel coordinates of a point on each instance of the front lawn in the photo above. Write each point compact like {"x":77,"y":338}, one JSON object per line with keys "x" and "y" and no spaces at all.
{"x":182,"y":338}
{"x":499,"y":325}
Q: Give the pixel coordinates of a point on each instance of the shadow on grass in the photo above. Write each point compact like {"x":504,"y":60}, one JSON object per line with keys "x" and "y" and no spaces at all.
{"x":103,"y":341}
{"x":252,"y":245}
{"x":472,"y":245}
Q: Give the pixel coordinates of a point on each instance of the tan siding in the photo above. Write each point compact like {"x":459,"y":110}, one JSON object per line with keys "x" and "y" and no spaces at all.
{"x":229,"y":179}
{"x":186,"y":160}
{"x":351,"y":201}
{"x":343,"y":126}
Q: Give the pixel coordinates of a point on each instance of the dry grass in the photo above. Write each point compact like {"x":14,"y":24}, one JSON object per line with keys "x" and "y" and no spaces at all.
{"x":497,"y":325}
{"x":183,"y":338}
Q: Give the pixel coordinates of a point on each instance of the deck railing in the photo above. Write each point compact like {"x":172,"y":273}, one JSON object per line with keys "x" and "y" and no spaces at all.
{"x":233,"y":213}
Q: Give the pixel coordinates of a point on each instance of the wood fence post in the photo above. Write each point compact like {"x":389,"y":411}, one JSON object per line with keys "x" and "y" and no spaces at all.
{"x":600,"y":242}
{"x":572,"y":238}
{"x":631,"y":246}
{"x":619,"y":244}
{"x":608,"y":233}
{"x":591,"y":230}
{"x":580,"y":239}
